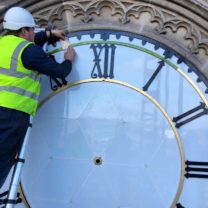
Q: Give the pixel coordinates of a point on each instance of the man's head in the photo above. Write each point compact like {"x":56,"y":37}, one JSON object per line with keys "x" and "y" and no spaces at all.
{"x":19,"y":20}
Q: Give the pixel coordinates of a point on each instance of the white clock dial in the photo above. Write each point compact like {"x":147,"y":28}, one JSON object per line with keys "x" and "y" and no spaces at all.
{"x":120,"y":133}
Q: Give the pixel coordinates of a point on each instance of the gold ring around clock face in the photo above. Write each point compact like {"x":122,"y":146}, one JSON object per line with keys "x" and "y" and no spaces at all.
{"x":139,"y":152}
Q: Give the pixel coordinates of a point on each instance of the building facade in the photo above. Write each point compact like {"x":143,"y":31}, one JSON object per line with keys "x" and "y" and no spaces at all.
{"x":155,"y":48}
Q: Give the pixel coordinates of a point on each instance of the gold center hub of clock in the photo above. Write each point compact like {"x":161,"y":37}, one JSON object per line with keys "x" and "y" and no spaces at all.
{"x":98,"y":160}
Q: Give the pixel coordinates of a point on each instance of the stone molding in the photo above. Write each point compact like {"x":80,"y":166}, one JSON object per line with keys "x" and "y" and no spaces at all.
{"x":181,"y":25}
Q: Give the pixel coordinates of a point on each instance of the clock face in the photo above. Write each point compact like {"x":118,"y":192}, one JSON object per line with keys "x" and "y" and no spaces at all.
{"x":128,"y":130}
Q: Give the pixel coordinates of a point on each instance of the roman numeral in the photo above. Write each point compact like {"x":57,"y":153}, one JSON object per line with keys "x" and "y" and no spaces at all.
{"x":195,"y":169}
{"x":56,"y":83}
{"x":167,"y":54}
{"x":179,"y":206}
{"x":149,"y":82}
{"x":107,"y":52}
{"x":202,"y":107}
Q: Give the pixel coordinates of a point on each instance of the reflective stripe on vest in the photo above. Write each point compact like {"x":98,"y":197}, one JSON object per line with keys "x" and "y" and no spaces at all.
{"x":20,"y":92}
{"x":33,"y":76}
{"x":13,"y":66}
{"x":14,"y":73}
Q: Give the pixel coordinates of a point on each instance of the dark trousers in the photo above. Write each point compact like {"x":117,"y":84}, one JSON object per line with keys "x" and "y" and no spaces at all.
{"x":13,"y":127}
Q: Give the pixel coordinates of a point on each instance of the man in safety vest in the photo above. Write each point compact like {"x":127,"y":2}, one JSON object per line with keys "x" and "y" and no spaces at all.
{"x":22,"y":60}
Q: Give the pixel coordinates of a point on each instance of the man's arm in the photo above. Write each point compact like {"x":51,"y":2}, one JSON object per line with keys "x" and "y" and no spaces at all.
{"x":50,"y":36}
{"x":40,"y":38}
{"x":34,"y":58}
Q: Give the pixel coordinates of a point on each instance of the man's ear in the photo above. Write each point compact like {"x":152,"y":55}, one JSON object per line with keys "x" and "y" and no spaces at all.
{"x":23,"y":32}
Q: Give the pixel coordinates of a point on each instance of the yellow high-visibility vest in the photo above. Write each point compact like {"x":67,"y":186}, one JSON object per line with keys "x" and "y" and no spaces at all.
{"x":19,"y":87}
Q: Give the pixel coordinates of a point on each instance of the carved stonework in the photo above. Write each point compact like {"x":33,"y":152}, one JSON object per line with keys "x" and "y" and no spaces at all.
{"x":193,"y":34}
{"x":181,"y":25}
{"x":125,"y":12}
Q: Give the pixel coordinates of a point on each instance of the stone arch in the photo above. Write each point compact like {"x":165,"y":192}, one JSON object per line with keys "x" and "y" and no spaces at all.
{"x":180,"y":25}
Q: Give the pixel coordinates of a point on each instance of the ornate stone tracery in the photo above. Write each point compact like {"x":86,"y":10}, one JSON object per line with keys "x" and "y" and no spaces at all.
{"x":173,"y":23}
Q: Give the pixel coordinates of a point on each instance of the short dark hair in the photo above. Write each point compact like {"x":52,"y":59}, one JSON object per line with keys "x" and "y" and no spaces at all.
{"x":15,"y":32}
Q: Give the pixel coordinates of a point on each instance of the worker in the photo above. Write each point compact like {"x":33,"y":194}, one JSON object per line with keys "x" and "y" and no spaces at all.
{"x":22,"y":61}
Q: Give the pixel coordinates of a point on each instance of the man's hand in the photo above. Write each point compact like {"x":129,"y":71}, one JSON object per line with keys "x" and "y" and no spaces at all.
{"x":58,"y":34}
{"x":54,"y":35}
{"x":70,"y":54}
